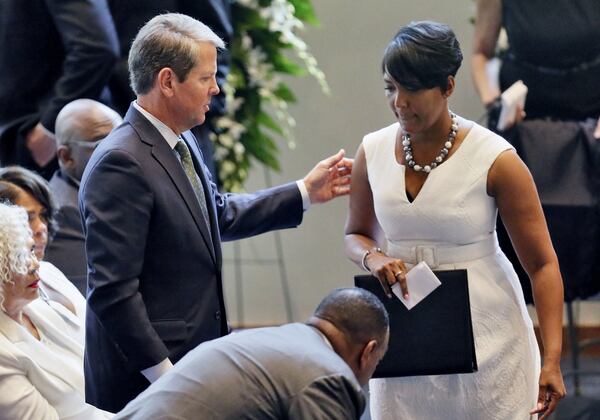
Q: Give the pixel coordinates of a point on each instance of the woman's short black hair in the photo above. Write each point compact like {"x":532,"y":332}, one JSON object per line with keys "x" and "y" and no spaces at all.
{"x":422,"y":55}
{"x":35,"y":185}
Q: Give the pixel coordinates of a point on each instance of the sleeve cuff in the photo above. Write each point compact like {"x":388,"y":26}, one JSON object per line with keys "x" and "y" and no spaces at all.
{"x":304,"y":194}
{"x":154,"y":372}
{"x":47,"y":132}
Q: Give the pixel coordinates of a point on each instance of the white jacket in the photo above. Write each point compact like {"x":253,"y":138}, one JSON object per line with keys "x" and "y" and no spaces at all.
{"x":54,"y":278}
{"x":42,"y":379}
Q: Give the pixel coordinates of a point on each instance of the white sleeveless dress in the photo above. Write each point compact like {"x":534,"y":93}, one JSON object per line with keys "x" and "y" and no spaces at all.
{"x":451,"y":224}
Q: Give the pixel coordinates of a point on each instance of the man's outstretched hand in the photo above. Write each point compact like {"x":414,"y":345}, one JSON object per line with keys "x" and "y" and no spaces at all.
{"x":329,"y":179}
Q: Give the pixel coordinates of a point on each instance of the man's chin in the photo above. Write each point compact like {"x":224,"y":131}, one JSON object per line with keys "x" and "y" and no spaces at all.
{"x":199,"y":121}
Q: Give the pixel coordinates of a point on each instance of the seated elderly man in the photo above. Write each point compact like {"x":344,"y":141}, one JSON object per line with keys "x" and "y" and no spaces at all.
{"x":80,"y":126}
{"x":296,"y":371}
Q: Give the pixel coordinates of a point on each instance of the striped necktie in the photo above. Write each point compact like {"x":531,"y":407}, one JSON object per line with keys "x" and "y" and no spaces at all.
{"x":188,"y":166}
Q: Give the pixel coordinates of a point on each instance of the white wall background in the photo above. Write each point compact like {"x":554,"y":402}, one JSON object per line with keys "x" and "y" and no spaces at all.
{"x":348,"y":46}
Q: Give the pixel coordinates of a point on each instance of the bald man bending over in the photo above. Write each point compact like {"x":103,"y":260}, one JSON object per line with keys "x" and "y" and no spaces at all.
{"x":297,"y":371}
{"x":80,"y":126}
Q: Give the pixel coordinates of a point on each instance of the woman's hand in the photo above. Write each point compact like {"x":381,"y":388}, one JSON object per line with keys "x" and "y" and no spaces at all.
{"x":552,"y":390}
{"x":389,"y":271}
{"x":517,"y":118}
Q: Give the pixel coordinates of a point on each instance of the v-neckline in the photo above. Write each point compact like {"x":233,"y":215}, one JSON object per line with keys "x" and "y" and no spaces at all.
{"x":405,"y":167}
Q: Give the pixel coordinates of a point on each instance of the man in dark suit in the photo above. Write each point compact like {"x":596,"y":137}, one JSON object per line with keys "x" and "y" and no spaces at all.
{"x":51,"y":52}
{"x":296,"y":371}
{"x":154,"y":221}
{"x":129,"y":16}
{"x":80,"y":126}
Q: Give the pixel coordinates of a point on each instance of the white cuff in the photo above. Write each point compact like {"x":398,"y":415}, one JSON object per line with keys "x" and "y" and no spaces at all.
{"x":47,"y":132}
{"x":304,"y":193}
{"x":154,"y":372}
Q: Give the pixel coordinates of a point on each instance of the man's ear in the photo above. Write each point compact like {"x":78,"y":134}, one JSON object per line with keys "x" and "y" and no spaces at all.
{"x":165,"y":80}
{"x":368,"y":353}
{"x":64,"y":156}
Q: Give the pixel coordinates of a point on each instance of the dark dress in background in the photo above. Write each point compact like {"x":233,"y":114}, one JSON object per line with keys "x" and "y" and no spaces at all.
{"x":555,"y":50}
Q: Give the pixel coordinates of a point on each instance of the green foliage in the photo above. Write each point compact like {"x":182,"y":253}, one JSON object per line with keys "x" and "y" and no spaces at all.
{"x":304,"y":11}
{"x":265,"y":47}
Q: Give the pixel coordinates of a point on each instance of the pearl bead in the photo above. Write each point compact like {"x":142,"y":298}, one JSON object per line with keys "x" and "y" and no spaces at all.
{"x":408,"y":156}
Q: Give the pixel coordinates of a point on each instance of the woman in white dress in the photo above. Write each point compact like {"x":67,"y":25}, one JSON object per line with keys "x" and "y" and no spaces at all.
{"x":26,"y":189}
{"x":435,"y":181}
{"x":41,"y":365}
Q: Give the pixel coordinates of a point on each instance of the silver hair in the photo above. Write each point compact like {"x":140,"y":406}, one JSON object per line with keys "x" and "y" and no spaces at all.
{"x":168,"y":40}
{"x":15,"y":245}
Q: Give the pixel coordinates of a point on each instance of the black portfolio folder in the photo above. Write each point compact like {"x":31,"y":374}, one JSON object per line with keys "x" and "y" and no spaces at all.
{"x":435,"y":337}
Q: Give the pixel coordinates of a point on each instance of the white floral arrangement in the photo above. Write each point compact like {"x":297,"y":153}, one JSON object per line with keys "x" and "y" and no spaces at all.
{"x":265,"y":32}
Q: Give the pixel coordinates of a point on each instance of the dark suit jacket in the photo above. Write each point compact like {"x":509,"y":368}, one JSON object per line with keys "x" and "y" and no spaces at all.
{"x":286,"y":372}
{"x":154,"y":270}
{"x":51,"y":52}
{"x":67,"y":249}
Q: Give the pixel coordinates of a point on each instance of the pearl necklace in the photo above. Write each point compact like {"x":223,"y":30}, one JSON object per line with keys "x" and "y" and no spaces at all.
{"x":408,"y":153}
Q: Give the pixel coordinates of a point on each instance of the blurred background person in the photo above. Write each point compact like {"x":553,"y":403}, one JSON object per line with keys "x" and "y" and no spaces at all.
{"x":80,"y":126}
{"x":30,"y":191}
{"x":51,"y":52}
{"x":554,"y":48}
{"x":297,"y":371}
{"x":41,"y":367}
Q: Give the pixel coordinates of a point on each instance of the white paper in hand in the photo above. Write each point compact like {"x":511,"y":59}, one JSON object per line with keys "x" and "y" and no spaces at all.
{"x":512,"y":99}
{"x":420,"y":281}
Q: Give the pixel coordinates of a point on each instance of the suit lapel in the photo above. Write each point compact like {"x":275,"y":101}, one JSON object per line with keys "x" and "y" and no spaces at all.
{"x":165,"y":156}
{"x":10,"y":329}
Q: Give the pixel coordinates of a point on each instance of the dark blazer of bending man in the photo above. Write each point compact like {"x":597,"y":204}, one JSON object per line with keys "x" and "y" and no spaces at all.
{"x":154,"y":221}
{"x":297,"y":371}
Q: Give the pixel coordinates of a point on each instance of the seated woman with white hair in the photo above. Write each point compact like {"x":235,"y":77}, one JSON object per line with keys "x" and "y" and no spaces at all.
{"x":30,"y":191}
{"x":41,"y":366}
